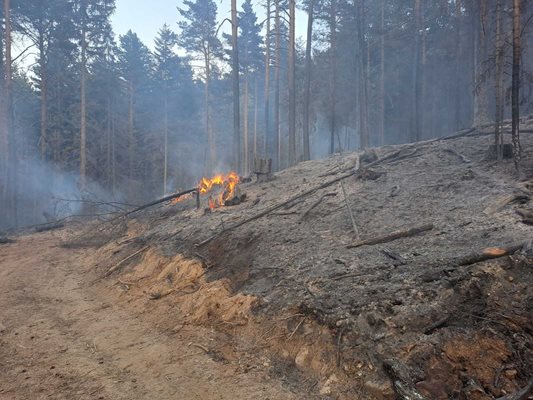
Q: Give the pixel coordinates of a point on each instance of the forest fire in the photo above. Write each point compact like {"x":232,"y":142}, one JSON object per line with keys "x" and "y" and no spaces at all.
{"x":226,"y":185}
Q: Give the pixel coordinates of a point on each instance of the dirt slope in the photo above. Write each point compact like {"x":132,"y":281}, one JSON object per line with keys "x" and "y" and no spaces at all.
{"x":406,"y":303}
{"x":64,"y":336}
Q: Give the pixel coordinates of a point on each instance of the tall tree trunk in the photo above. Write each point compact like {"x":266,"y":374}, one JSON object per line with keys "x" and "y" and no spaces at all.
{"x":131,"y":137}
{"x":382,"y":77}
{"x":165,"y":146}
{"x":3,"y":122}
{"x":459,"y":66}
{"x":208,"y":128}
{"x":481,"y":101}
{"x":277,"y":140}
{"x":292,"y":82}
{"x":246,"y":151}
{"x":268,"y":140}
{"x":308,"y":64}
{"x":333,"y":74}
{"x":11,"y":162}
{"x":83,"y":110}
{"x":498,"y":84}
{"x":44,"y":96}
{"x":256,"y":115}
{"x":236,"y":90}
{"x":515,"y":86}
{"x":415,"y":128}
{"x":363,"y":76}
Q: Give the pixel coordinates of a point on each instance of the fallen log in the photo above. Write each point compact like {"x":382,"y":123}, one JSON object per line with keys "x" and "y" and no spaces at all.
{"x":488,"y":254}
{"x":388,"y":157}
{"x":392,"y":236}
{"x":162,"y":200}
{"x":275,"y":207}
{"x":49,"y":227}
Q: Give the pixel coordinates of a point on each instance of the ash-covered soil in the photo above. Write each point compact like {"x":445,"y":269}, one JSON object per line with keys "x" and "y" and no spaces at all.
{"x":411,"y":318}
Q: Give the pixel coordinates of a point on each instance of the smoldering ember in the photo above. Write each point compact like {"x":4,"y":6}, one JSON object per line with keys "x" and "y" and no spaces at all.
{"x":314,"y":199}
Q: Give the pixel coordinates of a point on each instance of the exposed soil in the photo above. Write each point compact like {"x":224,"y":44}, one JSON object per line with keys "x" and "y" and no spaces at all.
{"x":64,"y":335}
{"x":141,"y":308}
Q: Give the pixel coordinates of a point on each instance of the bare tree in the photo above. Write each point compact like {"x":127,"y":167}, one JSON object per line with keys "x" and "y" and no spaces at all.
{"x":498,"y":136}
{"x":236,"y":92}
{"x":267,"y":79}
{"x":292,"y":82}
{"x":515,"y":95}
{"x":308,"y":65}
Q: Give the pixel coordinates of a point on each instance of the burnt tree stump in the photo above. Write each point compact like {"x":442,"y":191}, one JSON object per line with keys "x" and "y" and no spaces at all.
{"x":263,"y":169}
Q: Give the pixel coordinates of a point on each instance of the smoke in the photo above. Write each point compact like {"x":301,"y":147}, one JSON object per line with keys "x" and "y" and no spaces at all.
{"x":45,"y":193}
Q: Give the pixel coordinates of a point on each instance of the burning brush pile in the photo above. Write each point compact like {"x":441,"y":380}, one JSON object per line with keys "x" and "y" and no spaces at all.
{"x":222,"y":190}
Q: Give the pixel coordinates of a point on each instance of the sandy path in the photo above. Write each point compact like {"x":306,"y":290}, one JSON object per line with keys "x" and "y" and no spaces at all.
{"x":63,"y":338}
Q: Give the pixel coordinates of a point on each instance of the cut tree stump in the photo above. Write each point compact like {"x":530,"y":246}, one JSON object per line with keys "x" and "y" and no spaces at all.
{"x":263,"y":169}
{"x":392,"y":236}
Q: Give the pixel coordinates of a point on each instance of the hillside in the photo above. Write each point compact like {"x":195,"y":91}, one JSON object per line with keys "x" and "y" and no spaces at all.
{"x":285,"y":287}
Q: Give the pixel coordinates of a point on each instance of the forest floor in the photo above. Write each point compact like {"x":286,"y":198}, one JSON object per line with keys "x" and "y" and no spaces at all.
{"x":175,"y":302}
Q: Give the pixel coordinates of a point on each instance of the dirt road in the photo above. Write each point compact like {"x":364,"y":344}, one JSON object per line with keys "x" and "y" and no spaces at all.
{"x":64,"y":336}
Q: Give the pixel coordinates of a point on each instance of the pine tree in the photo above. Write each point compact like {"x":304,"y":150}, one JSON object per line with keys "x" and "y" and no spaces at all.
{"x":93,"y":30}
{"x":135,"y":64}
{"x":251,"y":61}
{"x":199,"y":37}
{"x":170,"y":76}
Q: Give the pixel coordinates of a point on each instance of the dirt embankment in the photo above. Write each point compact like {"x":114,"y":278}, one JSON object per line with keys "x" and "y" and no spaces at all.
{"x":289,"y":295}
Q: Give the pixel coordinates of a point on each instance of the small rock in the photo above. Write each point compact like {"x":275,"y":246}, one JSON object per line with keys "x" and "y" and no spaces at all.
{"x":2,"y":327}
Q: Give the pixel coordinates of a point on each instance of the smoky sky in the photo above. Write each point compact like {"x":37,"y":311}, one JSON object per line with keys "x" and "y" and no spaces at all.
{"x":145,"y":17}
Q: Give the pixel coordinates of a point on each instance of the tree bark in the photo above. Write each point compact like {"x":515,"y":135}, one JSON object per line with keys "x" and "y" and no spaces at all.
{"x":333,"y":73}
{"x":256,"y":115}
{"x":515,"y":95}
{"x":498,"y":135}
{"x":416,"y":74}
{"x":165,"y":146}
{"x":246,"y":130}
{"x":83,"y":111}
{"x":363,"y":76}
{"x":481,"y":102}
{"x":277,"y":142}
{"x":268,"y":142}
{"x":382,"y":77}
{"x":11,"y":161}
{"x":236,"y":90}
{"x":292,"y":82}
{"x":308,"y":72}
{"x":43,"y":97}
{"x":131,"y":137}
{"x":208,"y":128}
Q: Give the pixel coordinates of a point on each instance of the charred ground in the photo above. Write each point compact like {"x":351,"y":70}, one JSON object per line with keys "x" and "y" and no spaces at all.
{"x":287,"y":293}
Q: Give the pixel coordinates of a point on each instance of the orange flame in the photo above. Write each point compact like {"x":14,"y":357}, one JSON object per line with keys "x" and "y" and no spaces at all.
{"x":229,"y":182}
